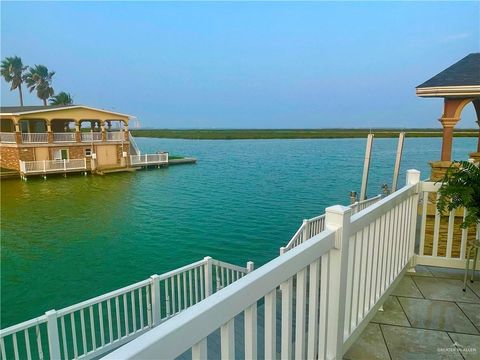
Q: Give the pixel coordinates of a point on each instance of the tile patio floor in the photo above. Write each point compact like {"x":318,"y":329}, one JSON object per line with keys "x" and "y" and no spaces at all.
{"x":428,"y":316}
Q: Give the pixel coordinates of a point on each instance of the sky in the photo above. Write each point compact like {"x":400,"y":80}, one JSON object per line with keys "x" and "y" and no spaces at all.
{"x":246,"y":64}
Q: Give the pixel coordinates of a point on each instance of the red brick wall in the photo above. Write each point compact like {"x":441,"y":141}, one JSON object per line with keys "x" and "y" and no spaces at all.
{"x":9,"y":158}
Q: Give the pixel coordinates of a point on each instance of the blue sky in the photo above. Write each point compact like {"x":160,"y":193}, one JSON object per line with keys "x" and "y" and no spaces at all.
{"x":246,"y":65}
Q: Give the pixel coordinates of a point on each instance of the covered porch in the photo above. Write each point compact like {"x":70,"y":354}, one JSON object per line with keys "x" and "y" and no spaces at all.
{"x":63,"y":124}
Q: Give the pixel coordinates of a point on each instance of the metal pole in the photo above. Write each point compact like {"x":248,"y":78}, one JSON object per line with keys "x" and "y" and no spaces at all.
{"x":366,"y":167}
{"x":396,"y":170}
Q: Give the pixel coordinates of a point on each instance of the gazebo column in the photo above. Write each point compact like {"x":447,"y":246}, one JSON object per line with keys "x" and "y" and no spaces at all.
{"x":448,"y":125}
{"x":476,"y":155}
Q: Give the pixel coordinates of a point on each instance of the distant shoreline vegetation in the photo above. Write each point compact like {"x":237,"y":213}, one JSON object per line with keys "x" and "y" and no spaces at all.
{"x":245,"y":134}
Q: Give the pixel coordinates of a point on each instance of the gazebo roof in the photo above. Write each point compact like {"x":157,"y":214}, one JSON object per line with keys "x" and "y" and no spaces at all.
{"x":462,"y":79}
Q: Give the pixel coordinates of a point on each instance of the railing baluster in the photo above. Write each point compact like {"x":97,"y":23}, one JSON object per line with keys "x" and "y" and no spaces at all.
{"x":27,"y":345}
{"x":74,"y":335}
{"x":313,"y":310}
{"x":125,"y":315}
{"x":134,"y":312}
{"x":110,"y":321}
{"x":140,"y":306}
{"x":451,"y":224}
{"x":199,"y":350}
{"x":251,"y":332}
{"x":436,"y":229}
{"x":202,"y":286}
{"x":92,"y":328}
{"x":15,"y":346}
{"x":300,"y":314}
{"x":179,"y":293}
{"x":270,"y":325}
{"x":184,"y":295}
{"x":227,"y":339}
{"x":196,"y":284}
{"x":117,"y":313}
{"x":286,"y":342}
{"x":172,"y":286}
{"x":100,"y":321}
{"x":84,"y":337}
{"x":190,"y":286}
{"x":2,"y":349}
{"x":64,"y":338}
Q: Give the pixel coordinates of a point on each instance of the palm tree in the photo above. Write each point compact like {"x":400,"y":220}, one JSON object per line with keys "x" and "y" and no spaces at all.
{"x":12,"y":71}
{"x":62,"y":98}
{"x":40,"y":79}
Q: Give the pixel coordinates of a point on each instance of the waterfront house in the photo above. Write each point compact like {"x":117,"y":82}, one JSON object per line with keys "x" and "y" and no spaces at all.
{"x":70,"y":138}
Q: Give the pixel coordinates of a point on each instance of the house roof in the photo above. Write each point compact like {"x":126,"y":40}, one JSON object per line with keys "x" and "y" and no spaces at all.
{"x":461,"y":79}
{"x":21,"y":110}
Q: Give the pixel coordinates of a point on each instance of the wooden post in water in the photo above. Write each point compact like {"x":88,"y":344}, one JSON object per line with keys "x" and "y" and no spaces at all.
{"x":366,"y":167}
{"x":401,"y":138}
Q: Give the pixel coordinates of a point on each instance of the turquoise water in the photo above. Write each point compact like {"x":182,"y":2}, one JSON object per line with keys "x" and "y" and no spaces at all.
{"x":66,"y":240}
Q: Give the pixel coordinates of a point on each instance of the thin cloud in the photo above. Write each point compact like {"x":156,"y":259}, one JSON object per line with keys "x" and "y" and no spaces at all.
{"x":455,"y":37}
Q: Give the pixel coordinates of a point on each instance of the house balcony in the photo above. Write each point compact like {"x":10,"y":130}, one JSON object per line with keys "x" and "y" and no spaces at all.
{"x":62,"y":137}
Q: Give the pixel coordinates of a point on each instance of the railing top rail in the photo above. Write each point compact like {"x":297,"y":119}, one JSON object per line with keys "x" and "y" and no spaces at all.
{"x":360,"y":220}
{"x":103,"y":297}
{"x":182,"y":269}
{"x":316,"y":218}
{"x":172,"y":338}
{"x":22,"y":326}
{"x":294,"y":237}
{"x":229,"y":266}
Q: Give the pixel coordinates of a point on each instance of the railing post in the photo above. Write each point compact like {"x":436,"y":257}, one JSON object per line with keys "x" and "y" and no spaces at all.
{"x":337,"y":218}
{"x":44,"y":166}
{"x":52,"y":331}
{"x":65,"y":164}
{"x":250,"y":266}
{"x":306,"y":228}
{"x":155,"y":285}
{"x":283,"y":249}
{"x":413,"y":178}
{"x":208,"y":276}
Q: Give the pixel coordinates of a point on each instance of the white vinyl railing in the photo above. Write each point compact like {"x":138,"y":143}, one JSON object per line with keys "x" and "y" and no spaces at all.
{"x":442,"y":241}
{"x":148,"y":159}
{"x":8,"y":137}
{"x":115,"y":136}
{"x":64,"y":137}
{"x":34,"y":137}
{"x":91,"y":136}
{"x":93,"y":327}
{"x":134,"y":149}
{"x":327,"y":290}
{"x":52,"y":166}
{"x":314,"y":226}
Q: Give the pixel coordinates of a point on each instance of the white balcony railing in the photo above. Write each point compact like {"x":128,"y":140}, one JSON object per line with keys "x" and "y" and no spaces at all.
{"x":149,"y":159}
{"x":8,"y":137}
{"x":115,"y":136}
{"x":52,"y":166}
{"x":316,"y":225}
{"x":328,"y":289}
{"x":64,"y":137}
{"x":34,"y":137}
{"x":91,"y":136}
{"x":99,"y":325}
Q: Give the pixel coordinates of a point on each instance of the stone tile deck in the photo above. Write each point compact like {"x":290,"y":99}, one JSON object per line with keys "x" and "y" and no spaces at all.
{"x":428,"y":316}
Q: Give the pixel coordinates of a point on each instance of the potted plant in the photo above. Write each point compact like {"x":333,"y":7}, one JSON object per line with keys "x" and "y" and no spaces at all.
{"x":461,"y":188}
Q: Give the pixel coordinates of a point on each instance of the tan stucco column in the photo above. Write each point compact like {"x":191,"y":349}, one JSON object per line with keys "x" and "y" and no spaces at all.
{"x":102,"y":128}
{"x":78,"y":135}
{"x":448,"y":125}
{"x":18,"y":135}
{"x":49,"y":131}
